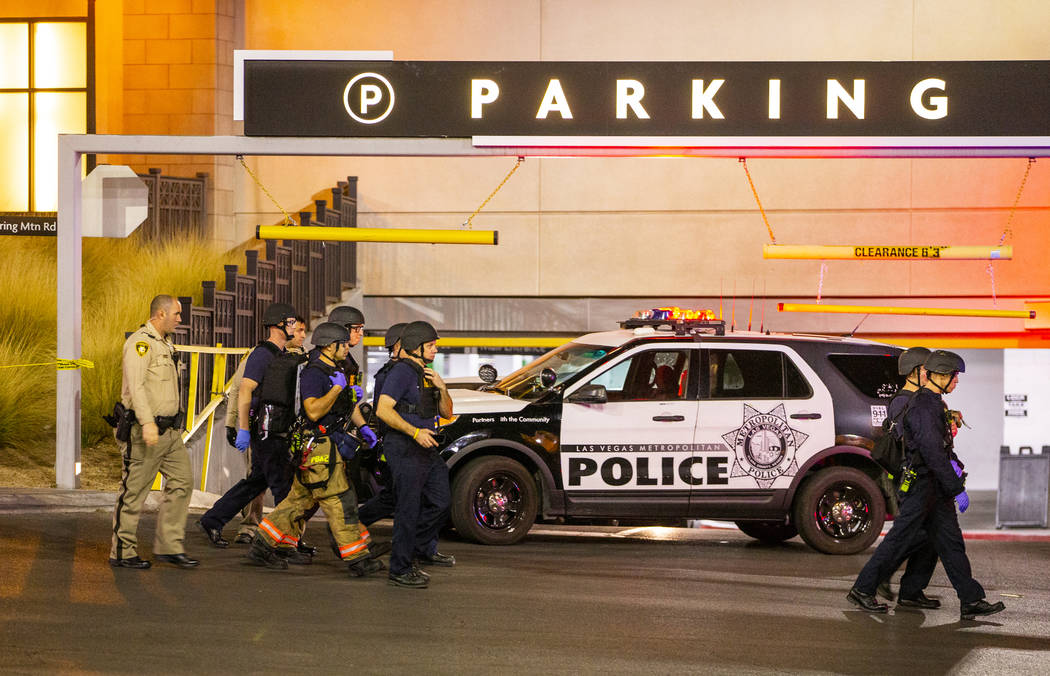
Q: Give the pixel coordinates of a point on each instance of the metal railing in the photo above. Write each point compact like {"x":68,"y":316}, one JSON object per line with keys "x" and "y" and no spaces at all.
{"x":202,"y":415}
{"x":218,"y":332}
{"x":177,"y":206}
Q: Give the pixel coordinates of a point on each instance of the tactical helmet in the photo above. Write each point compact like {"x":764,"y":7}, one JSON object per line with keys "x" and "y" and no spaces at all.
{"x":415,"y":334}
{"x":277,"y":313}
{"x":911,"y":359}
{"x":347,"y":316}
{"x":943,"y":361}
{"x":328,"y":333}
{"x":393,"y":334}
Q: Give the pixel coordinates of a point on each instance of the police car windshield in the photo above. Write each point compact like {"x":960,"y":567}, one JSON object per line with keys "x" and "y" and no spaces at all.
{"x":565,"y":361}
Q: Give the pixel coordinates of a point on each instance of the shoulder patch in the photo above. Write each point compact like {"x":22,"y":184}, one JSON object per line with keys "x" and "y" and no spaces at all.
{"x":142,"y":348}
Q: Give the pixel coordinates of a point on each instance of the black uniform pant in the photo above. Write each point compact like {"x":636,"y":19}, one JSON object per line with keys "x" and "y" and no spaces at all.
{"x":379,"y":506}
{"x":270,"y":469}
{"x":922,"y":508}
{"x":423,"y":498}
{"x":921,"y":556}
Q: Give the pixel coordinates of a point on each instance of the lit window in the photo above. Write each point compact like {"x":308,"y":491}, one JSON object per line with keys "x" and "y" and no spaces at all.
{"x":14,"y":139}
{"x":44,"y":71}
{"x":14,"y":55}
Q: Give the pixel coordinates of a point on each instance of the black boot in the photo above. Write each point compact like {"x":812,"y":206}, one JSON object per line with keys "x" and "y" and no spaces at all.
{"x":866,"y":602}
{"x":919,"y":601}
{"x":262,"y":554}
{"x":410,"y":580}
{"x":296,"y":557}
{"x":364,"y":567}
{"x":885,"y":591}
{"x":981,"y":608}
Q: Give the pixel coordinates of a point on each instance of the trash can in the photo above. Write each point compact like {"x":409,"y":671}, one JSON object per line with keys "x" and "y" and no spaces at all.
{"x":1024,"y":488}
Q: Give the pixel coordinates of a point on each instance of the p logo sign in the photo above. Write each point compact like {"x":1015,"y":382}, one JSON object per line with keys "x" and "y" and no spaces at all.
{"x":368,"y":98}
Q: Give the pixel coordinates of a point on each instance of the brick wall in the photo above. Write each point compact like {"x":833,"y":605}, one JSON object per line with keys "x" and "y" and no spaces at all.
{"x":178,"y":80}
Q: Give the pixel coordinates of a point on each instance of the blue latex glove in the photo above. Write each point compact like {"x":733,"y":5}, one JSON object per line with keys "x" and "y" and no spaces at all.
{"x":338,"y":379}
{"x":242,"y":441}
{"x":958,"y":470}
{"x":368,"y":435}
{"x":359,"y":393}
{"x":963,"y":500}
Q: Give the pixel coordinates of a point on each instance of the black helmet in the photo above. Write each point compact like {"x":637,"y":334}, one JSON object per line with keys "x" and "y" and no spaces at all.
{"x":347,"y":316}
{"x":943,"y":361}
{"x":328,"y":333}
{"x":277,"y":313}
{"x":415,"y":334}
{"x":393,"y":334}
{"x":911,"y":359}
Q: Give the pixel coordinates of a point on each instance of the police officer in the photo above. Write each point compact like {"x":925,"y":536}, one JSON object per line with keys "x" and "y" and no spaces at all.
{"x":151,"y":389}
{"x":412,"y":398}
{"x":921,"y":555}
{"x":252,"y":514}
{"x":929,"y":488}
{"x":270,"y":467}
{"x":381,"y":505}
{"x":320,"y":454}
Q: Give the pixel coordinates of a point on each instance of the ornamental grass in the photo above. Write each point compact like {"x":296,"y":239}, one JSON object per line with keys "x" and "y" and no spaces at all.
{"x":120,"y":277}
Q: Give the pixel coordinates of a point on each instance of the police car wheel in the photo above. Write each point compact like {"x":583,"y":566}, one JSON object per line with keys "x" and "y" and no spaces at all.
{"x":772,"y":532}
{"x":494,"y":501}
{"x":839,"y":510}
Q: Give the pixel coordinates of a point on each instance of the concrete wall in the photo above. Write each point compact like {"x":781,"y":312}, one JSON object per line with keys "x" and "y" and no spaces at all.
{"x":659,"y":227}
{"x":979,"y":396}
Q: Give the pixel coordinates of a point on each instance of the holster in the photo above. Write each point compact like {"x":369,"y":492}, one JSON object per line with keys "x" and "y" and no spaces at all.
{"x":121,"y":420}
{"x":166,"y":422}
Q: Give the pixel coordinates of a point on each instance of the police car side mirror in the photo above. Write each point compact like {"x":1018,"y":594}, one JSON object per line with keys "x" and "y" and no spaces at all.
{"x":547,"y":378}
{"x":487,"y":373}
{"x":589,"y":394}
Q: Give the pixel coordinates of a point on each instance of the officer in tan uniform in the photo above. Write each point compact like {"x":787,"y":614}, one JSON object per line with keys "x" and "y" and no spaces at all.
{"x":151,"y":389}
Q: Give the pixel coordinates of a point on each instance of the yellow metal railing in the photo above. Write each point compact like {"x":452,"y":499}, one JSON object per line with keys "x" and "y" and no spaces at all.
{"x":219,"y":387}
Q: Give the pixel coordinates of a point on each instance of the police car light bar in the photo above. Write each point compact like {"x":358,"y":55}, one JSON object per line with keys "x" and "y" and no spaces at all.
{"x":680,"y":321}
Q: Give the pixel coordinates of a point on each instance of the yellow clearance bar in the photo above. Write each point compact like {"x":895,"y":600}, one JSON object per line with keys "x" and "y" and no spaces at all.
{"x":394,"y":235}
{"x":930,"y":311}
{"x":887,"y":253}
{"x":484,"y":341}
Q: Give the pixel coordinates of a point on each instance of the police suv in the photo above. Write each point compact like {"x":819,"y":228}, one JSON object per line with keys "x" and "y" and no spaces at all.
{"x":672,"y":417}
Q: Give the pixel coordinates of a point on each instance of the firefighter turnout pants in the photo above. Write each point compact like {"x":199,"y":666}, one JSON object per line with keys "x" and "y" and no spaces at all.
{"x":140,"y":466}
{"x":336,"y":497}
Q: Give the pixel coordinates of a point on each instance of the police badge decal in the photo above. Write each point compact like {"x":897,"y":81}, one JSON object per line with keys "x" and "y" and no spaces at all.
{"x":764,"y":446}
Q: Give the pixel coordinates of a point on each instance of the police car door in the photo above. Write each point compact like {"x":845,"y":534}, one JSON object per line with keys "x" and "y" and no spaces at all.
{"x":621,"y":457}
{"x":763,"y":412}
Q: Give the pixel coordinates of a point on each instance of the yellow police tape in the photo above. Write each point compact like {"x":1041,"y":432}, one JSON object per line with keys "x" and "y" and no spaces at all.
{"x":60,"y":364}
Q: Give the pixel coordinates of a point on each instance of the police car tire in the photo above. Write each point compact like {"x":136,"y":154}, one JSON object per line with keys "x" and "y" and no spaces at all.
{"x":808,"y":502}
{"x":772,"y":532}
{"x":475,"y":477}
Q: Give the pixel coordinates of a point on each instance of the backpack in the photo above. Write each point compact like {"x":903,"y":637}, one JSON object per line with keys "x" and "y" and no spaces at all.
{"x":279,"y":389}
{"x":889,"y":449}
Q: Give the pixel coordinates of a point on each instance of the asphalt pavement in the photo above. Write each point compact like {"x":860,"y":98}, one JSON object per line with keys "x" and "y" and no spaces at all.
{"x":566,"y":600}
